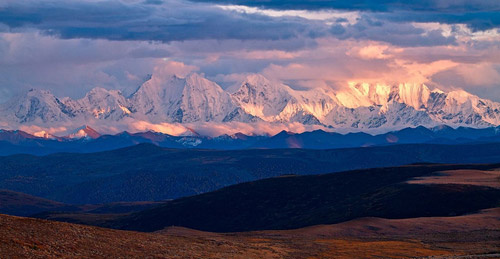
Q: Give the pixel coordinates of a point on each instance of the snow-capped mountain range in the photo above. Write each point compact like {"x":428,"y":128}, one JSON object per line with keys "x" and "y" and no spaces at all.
{"x":195,"y":99}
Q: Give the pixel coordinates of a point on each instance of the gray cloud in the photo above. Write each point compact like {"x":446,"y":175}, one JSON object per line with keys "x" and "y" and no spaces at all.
{"x":153,"y":2}
{"x":150,"y":21}
{"x":478,"y":14}
{"x":405,"y":35}
{"x":477,"y":21}
{"x":370,"y":5}
{"x":178,"y":20}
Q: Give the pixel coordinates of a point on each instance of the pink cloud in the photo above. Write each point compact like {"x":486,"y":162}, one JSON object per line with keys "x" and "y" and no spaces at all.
{"x":267,"y":54}
{"x":37,"y":130}
{"x":166,"y":128}
{"x":166,"y":68}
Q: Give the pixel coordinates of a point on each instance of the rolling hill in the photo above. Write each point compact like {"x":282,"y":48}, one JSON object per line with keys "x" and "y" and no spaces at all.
{"x":150,"y":173}
{"x":469,"y":235}
{"x":298,"y":201}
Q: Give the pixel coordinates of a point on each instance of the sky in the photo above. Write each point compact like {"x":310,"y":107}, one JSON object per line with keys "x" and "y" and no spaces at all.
{"x":70,"y":47}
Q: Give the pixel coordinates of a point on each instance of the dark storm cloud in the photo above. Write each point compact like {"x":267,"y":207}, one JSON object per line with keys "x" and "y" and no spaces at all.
{"x":177,"y":20}
{"x":154,"y":2}
{"x":369,"y":5}
{"x":150,"y":21}
{"x":478,"y":14}
{"x":405,"y":35}
{"x":477,"y":21}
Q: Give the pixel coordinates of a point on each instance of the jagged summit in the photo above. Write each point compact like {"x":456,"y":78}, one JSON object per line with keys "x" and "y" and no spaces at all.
{"x":34,"y":106}
{"x":195,"y":99}
{"x":181,"y":100}
{"x":262,"y":98}
{"x":358,"y":95}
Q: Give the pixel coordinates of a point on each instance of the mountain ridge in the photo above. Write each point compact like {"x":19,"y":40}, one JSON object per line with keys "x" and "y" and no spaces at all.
{"x":85,"y":139}
{"x":195,"y":99}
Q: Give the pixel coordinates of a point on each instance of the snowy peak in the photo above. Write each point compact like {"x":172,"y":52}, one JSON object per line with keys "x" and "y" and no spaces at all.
{"x":261,"y":97}
{"x":182,"y":100}
{"x":85,"y":132}
{"x":204,"y":100}
{"x":194,"y":99}
{"x":460,"y":97}
{"x":196,"y":81}
{"x":458,"y":108}
{"x":364,"y":94}
{"x":102,"y":103}
{"x":260,"y":84}
{"x":35,"y":106}
{"x":161,"y":89}
{"x":204,"y":90}
{"x":98,"y":95}
{"x":158,"y":98}
{"x":264,"y":84}
{"x":276,"y":102}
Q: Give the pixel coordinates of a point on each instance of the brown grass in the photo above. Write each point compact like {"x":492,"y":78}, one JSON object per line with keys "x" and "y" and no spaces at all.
{"x":466,"y":177}
{"x":362,"y":238}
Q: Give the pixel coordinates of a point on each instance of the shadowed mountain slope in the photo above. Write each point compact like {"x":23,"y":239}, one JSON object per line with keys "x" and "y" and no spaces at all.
{"x":299,"y":201}
{"x":149,"y":173}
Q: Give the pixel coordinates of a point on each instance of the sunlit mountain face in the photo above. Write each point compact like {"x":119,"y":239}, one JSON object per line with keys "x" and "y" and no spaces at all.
{"x":254,"y":67}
